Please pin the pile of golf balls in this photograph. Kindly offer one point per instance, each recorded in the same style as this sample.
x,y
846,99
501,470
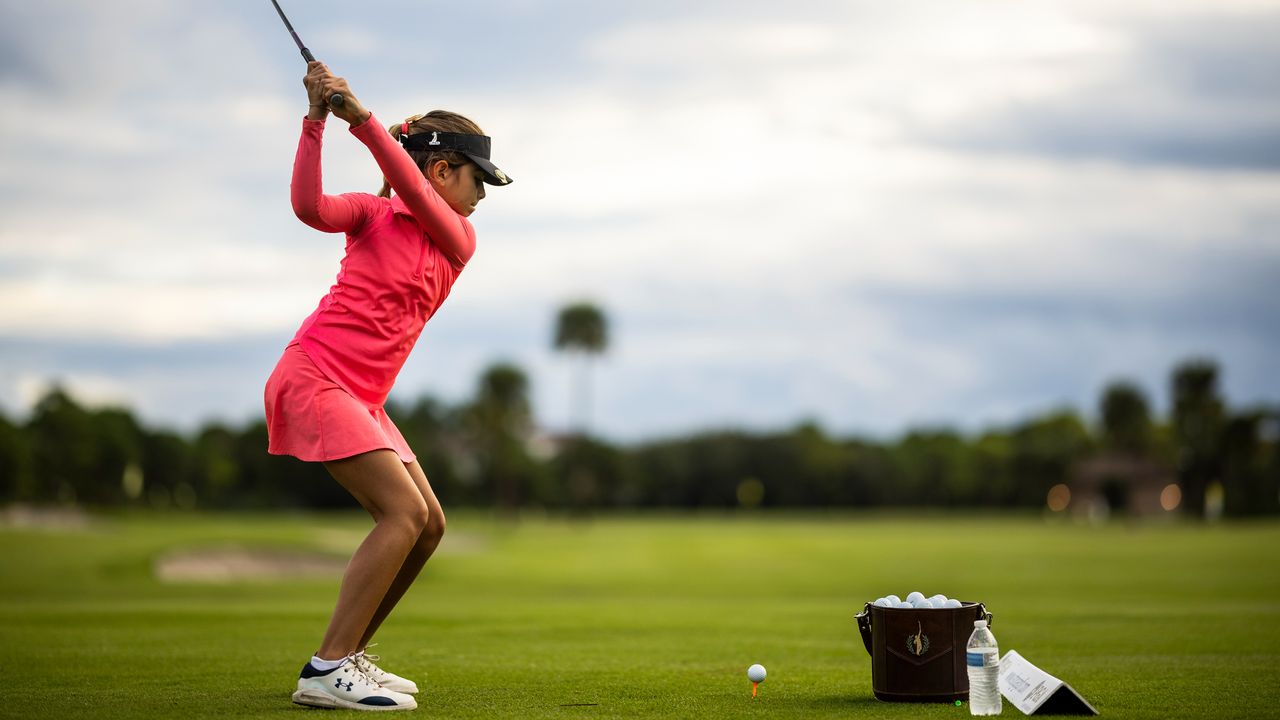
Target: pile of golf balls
x,y
918,601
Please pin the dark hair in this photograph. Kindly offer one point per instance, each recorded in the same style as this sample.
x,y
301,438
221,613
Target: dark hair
x,y
438,121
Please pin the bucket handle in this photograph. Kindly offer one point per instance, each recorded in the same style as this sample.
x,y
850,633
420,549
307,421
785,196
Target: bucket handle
x,y
864,622
864,625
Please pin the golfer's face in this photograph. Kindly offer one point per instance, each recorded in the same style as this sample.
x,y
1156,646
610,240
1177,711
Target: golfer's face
x,y
462,187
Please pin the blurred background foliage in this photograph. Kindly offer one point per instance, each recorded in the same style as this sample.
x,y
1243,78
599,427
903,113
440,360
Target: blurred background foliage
x,y
1204,460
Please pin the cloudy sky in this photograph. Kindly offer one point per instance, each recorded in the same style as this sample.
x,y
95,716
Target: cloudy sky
x,y
875,215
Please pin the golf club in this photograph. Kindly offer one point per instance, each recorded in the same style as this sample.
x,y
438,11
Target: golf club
x,y
335,99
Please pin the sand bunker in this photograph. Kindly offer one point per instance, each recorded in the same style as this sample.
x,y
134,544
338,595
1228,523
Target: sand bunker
x,y
31,517
236,564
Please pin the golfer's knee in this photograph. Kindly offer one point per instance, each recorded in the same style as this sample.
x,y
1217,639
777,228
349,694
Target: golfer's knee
x,y
435,529
413,517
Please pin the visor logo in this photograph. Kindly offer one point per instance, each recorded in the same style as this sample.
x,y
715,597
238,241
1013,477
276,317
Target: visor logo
x,y
435,138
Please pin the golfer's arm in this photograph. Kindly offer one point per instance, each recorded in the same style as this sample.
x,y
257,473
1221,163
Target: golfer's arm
x,y
450,232
326,213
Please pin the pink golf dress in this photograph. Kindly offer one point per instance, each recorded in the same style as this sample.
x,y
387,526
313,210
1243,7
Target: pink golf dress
x,y
324,400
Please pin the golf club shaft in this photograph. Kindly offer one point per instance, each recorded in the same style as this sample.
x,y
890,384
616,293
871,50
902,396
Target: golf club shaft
x,y
335,99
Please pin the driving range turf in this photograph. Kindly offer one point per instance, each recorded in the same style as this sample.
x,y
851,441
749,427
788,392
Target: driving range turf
x,y
641,616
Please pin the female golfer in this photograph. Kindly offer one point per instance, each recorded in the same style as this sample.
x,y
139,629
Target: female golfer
x,y
324,401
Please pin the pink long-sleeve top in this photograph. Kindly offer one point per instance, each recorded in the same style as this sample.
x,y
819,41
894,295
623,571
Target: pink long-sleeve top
x,y
402,257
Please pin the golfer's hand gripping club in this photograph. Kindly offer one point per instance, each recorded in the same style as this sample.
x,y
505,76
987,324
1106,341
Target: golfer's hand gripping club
x,y
335,99
322,85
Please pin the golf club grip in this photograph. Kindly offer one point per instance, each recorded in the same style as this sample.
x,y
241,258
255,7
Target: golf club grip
x,y
335,99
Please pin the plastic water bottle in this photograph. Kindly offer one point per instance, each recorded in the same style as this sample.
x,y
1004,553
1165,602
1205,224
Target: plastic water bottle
x,y
982,657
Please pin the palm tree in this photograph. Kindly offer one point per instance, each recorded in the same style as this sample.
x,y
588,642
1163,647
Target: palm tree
x,y
1126,418
500,419
1197,424
582,329
503,398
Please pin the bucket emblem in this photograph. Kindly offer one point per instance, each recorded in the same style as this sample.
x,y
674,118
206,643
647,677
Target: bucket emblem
x,y
918,644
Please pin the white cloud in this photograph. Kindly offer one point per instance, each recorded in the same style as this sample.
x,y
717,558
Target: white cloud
x,y
760,199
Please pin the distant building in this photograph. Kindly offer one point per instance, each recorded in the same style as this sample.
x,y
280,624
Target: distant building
x,y
1122,483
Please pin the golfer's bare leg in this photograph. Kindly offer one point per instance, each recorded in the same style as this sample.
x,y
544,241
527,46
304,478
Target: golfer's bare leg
x,y
427,543
382,484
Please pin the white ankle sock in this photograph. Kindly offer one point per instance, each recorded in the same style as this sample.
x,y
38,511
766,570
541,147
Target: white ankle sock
x,y
323,665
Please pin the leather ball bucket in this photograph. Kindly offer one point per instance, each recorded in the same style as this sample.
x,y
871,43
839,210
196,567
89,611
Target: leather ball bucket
x,y
919,655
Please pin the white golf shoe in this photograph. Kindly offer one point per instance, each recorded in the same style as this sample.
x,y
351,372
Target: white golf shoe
x,y
388,680
347,686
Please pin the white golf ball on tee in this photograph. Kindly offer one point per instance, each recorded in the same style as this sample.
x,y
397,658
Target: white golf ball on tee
x,y
756,673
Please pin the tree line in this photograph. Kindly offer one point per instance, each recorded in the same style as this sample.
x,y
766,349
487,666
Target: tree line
x,y
486,452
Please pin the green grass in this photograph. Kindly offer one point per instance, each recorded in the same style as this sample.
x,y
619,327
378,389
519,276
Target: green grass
x,y
648,616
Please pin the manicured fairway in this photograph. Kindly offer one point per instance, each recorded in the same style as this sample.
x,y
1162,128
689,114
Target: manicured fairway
x,y
650,616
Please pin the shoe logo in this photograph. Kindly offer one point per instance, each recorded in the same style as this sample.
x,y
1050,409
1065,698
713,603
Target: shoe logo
x,y
338,685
